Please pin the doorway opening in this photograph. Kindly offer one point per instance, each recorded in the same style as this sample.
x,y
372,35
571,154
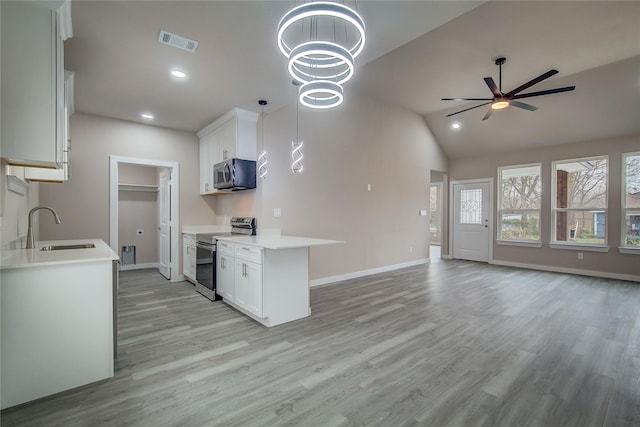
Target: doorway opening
x,y
436,215
143,207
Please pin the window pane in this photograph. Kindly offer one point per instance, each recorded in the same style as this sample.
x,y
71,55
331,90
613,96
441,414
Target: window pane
x,y
632,182
520,226
471,206
434,214
581,226
520,188
632,236
581,184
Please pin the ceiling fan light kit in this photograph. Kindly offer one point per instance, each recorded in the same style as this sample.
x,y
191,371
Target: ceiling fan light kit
x,y
503,100
317,59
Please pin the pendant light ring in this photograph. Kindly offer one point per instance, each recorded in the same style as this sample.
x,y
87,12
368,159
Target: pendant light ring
x,y
302,59
321,8
321,94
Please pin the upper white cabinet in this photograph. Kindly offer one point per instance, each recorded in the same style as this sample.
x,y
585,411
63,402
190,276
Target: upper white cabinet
x,y
33,81
232,135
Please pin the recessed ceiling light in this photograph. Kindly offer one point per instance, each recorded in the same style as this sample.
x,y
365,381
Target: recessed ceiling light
x,y
147,116
178,74
455,125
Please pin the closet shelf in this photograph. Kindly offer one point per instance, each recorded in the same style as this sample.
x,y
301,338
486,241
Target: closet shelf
x,y
138,187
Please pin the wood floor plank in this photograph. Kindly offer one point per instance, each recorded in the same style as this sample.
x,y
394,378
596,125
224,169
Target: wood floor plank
x,y
453,343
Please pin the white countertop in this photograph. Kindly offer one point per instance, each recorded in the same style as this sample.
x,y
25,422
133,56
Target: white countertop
x,y
26,258
195,229
279,242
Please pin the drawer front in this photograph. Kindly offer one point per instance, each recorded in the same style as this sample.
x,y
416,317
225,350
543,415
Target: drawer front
x,y
225,247
249,253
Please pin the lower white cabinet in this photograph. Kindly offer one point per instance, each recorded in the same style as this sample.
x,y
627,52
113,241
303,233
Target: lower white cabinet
x,y
269,285
225,273
189,256
248,286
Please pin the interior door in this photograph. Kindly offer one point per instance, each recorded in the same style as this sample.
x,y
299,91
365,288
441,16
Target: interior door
x,y
164,223
471,226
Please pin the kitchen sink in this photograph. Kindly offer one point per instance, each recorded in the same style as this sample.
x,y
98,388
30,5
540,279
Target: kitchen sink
x,y
63,247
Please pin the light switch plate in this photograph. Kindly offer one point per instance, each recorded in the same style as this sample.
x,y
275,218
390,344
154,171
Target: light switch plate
x,y
422,212
277,212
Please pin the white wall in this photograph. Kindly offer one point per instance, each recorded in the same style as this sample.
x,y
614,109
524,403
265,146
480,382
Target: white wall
x,y
83,201
362,142
14,209
613,261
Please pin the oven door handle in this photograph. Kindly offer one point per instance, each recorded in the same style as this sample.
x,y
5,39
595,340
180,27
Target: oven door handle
x,y
209,248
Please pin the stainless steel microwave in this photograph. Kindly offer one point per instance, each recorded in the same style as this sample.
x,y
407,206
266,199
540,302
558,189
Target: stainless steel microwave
x,y
234,175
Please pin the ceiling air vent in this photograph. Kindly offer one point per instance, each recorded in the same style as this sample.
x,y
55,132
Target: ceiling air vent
x,y
177,41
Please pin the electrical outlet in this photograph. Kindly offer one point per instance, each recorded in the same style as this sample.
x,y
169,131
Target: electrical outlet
x,y
277,212
410,249
580,255
368,187
139,232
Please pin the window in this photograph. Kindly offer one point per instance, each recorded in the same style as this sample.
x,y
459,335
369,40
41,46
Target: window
x,y
519,203
435,209
471,206
631,200
580,201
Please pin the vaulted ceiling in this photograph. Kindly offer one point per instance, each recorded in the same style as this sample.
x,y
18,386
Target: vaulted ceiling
x,y
417,53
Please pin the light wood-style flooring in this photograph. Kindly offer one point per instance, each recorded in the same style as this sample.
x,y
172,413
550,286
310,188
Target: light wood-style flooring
x,y
453,343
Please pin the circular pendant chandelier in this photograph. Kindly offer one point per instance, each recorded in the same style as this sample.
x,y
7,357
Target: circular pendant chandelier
x,y
321,40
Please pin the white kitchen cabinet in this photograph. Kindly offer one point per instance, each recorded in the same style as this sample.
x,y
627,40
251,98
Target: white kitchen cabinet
x,y
226,137
232,135
32,82
270,286
58,318
206,172
225,272
64,173
248,279
189,256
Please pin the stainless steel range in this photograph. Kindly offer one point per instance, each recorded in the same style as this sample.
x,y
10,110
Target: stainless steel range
x,y
206,254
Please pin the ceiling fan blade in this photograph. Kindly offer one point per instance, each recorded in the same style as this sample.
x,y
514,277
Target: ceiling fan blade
x,y
489,113
544,92
523,105
531,83
467,99
492,86
462,111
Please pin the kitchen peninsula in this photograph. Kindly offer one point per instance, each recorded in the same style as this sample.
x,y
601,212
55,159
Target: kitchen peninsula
x,y
58,318
267,276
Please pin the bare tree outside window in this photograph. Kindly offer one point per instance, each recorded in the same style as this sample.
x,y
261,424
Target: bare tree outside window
x,y
580,201
519,203
631,200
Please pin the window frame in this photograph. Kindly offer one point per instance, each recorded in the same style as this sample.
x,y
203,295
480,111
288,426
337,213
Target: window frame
x,y
624,248
499,210
560,244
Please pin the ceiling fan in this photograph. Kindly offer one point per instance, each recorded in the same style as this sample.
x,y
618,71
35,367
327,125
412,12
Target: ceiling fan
x,y
502,100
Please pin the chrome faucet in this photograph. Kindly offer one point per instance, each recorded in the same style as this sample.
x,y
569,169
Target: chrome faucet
x,y
30,239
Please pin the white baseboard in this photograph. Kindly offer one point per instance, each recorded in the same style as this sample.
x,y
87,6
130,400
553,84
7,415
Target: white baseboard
x,y
445,256
592,273
138,266
369,272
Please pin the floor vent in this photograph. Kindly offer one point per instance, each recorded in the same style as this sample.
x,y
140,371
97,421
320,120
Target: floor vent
x,y
177,41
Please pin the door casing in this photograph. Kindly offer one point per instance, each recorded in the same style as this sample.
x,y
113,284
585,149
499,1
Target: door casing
x,y
175,203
